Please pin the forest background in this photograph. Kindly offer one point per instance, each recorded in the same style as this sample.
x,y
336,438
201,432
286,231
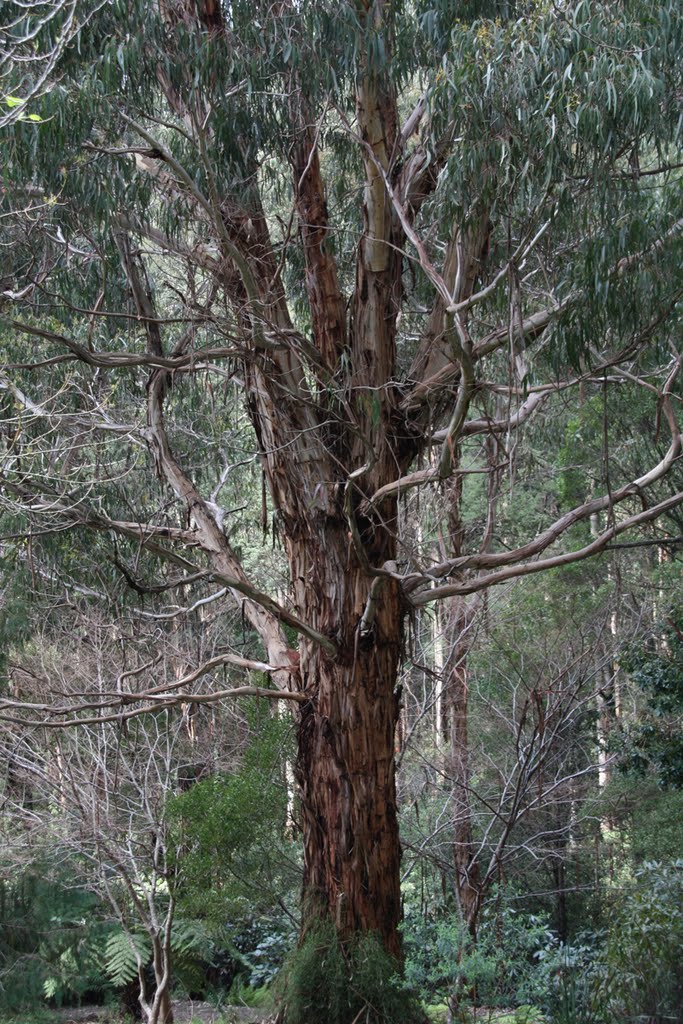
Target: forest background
x,y
341,509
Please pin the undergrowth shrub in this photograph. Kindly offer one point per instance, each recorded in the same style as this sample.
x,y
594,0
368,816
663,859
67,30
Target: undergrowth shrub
x,y
575,975
51,940
632,971
644,949
327,980
500,970
191,949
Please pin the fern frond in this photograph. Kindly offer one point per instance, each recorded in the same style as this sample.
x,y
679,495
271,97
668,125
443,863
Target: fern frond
x,y
120,961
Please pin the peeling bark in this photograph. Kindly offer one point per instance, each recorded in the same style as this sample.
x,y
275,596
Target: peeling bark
x,y
345,765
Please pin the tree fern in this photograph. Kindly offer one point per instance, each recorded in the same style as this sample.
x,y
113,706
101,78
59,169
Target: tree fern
x,y
120,961
191,949
190,946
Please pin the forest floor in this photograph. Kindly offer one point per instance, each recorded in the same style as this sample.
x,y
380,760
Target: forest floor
x,y
196,1012
188,1011
184,1012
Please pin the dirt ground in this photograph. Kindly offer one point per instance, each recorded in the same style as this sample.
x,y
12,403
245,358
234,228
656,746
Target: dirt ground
x,y
184,1012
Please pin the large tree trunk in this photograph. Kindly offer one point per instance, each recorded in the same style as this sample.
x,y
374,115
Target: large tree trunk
x,y
346,776
345,763
338,550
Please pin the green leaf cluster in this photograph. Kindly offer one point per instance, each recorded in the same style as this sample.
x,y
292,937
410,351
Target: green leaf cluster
x,y
644,968
500,969
654,744
228,832
52,938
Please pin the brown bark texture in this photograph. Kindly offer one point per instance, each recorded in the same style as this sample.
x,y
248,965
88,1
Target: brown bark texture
x,y
345,771
320,463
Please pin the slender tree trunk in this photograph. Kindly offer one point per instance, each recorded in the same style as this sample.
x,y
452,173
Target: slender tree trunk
x,y
160,1006
456,727
162,1011
165,1015
457,718
559,872
439,663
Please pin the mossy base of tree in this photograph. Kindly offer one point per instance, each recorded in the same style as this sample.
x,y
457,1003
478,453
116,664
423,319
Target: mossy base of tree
x,y
327,980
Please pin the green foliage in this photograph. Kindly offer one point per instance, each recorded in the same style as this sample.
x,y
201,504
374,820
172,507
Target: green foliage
x,y
632,970
35,1015
573,976
52,938
264,943
228,831
443,962
258,997
656,826
549,100
654,744
643,963
191,950
437,1013
339,982
583,434
235,860
14,102
120,958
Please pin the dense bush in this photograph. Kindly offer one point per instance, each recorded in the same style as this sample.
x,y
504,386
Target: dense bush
x,y
635,969
644,948
653,745
501,969
52,938
265,944
573,976
228,833
237,863
328,981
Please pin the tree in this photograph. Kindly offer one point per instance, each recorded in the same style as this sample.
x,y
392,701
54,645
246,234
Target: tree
x,y
532,760
106,800
466,214
98,802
